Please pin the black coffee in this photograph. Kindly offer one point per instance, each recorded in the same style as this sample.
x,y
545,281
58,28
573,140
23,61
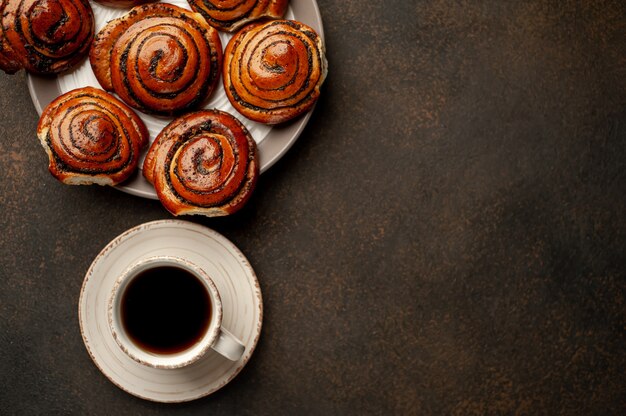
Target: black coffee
x,y
165,310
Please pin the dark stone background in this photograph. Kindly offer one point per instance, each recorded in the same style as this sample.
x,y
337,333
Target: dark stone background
x,y
447,236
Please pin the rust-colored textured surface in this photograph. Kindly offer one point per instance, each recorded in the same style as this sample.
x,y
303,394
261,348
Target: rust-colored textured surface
x,y
447,236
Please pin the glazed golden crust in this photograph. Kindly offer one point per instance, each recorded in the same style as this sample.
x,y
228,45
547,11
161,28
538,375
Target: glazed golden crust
x,y
230,15
44,36
9,62
91,137
203,163
159,58
273,71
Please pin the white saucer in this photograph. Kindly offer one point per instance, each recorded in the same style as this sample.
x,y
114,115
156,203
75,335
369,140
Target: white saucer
x,y
234,278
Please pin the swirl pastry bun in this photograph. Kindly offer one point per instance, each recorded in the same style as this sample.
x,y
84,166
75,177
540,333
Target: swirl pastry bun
x,y
91,137
203,163
273,71
158,58
230,15
44,36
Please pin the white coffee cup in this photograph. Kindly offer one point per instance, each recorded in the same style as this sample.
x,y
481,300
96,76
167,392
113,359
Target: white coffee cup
x,y
215,337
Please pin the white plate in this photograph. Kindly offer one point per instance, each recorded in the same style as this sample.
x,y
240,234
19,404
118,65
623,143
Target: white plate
x,y
234,278
272,142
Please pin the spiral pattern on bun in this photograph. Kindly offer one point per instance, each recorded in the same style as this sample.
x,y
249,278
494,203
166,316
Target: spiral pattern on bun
x,y
273,71
91,137
203,163
230,15
44,36
159,58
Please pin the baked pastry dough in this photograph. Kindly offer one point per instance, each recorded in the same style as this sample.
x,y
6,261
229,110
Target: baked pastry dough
x,y
159,58
273,71
230,15
203,163
44,36
91,137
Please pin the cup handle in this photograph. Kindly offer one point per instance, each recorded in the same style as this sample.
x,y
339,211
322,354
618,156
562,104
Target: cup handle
x,y
228,345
